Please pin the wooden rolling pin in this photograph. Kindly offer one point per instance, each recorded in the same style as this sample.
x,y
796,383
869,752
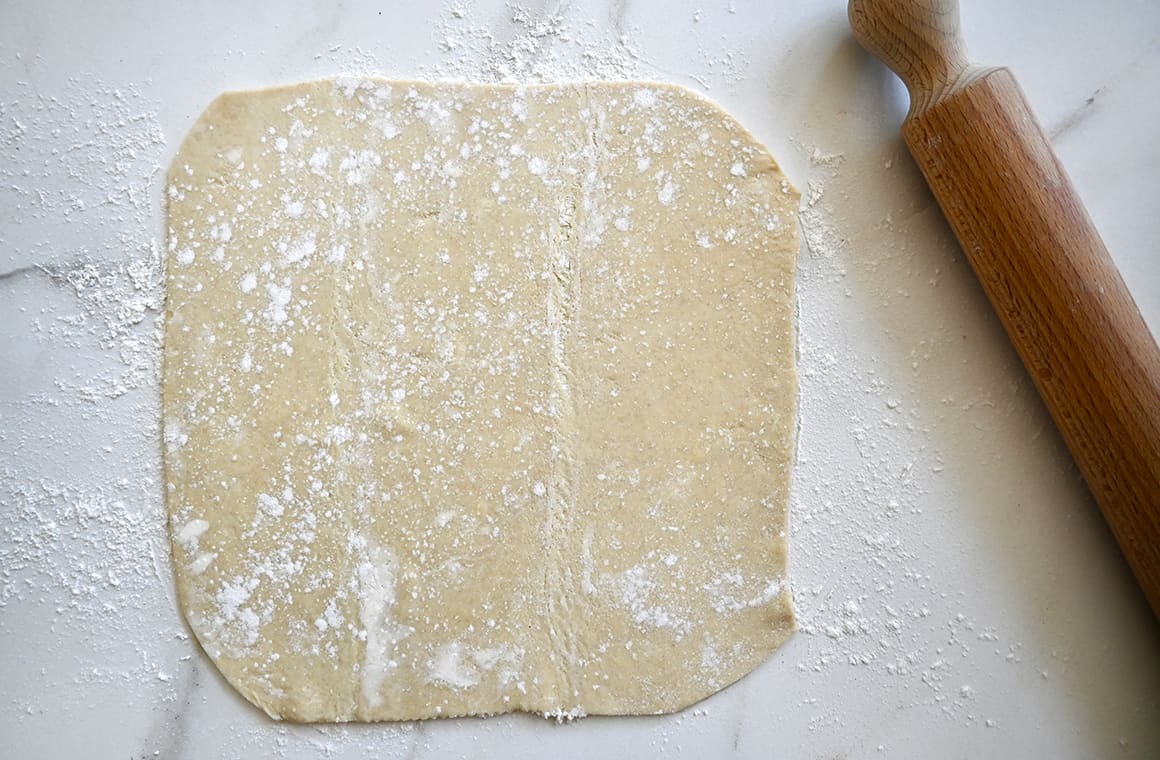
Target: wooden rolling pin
x,y
1040,259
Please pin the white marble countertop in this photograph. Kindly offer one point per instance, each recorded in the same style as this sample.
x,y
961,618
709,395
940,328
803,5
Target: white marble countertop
x,y
957,592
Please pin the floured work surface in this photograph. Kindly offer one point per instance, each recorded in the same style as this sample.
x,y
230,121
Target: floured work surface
x,y
479,398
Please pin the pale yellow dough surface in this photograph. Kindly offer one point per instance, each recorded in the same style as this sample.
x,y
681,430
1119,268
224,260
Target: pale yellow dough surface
x,y
479,398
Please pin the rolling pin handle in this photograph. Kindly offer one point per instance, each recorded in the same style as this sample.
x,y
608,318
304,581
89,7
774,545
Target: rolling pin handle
x,y
920,40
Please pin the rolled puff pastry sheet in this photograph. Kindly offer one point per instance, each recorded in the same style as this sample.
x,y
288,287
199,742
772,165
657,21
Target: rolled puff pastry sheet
x,y
479,398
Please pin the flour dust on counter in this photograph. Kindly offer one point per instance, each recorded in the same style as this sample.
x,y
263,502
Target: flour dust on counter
x,y
83,569
551,44
479,399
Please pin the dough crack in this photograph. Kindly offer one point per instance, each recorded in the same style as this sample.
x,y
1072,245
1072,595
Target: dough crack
x,y
562,300
579,223
341,358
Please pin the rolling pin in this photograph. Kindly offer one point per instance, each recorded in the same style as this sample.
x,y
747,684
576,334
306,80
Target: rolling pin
x,y
1038,255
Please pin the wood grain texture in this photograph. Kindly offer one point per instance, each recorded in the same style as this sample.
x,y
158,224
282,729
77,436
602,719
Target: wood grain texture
x,y
920,41
1040,260
1059,295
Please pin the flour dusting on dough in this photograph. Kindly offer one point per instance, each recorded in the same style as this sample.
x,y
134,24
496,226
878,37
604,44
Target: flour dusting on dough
x,y
376,576
479,399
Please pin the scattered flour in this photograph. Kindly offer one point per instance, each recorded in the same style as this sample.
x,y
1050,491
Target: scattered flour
x,y
82,170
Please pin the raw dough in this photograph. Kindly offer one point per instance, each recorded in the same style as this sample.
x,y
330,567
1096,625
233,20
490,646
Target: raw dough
x,y
479,398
